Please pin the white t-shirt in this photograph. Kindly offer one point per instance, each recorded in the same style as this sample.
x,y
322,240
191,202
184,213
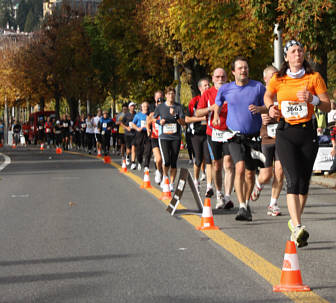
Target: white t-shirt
x,y
95,124
332,116
89,126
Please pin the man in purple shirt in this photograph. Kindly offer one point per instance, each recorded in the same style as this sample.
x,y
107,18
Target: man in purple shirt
x,y
244,98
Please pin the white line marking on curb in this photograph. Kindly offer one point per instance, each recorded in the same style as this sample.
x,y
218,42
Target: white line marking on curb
x,y
7,161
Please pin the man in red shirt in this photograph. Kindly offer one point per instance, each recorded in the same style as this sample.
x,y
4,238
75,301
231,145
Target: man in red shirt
x,y
218,148
199,141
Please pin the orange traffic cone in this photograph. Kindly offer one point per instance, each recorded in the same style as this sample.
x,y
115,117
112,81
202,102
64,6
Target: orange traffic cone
x,y
58,150
146,181
123,166
14,145
182,145
291,275
42,147
1,145
166,193
207,221
107,159
99,153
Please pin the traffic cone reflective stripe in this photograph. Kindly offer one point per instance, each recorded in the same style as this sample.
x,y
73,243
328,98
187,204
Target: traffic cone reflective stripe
x,y
291,275
123,166
166,193
146,181
14,145
107,159
207,221
99,153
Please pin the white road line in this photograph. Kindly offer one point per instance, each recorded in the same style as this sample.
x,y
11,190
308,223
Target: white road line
x,y
6,162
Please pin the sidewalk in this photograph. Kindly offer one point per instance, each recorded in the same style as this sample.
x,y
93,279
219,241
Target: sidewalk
x,y
327,181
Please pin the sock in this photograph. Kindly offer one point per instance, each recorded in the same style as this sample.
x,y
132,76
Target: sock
x,y
218,194
242,205
273,202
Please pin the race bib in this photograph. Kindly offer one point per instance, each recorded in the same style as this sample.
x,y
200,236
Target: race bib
x,y
65,124
48,130
104,125
221,135
217,135
40,127
143,123
271,130
115,129
294,110
170,128
83,125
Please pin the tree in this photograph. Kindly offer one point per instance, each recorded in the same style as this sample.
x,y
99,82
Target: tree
x,y
312,22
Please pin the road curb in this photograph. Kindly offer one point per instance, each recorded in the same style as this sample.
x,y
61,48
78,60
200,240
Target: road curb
x,y
324,181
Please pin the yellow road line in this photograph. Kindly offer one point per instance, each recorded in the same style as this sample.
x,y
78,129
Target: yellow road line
x,y
264,268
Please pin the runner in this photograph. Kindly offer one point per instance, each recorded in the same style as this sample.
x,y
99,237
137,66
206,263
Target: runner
x,y
40,131
171,116
121,134
90,135
65,124
153,132
25,130
198,126
267,133
48,129
129,134
244,98
16,132
115,131
105,126
58,134
82,132
218,149
143,143
97,135
298,89
2,132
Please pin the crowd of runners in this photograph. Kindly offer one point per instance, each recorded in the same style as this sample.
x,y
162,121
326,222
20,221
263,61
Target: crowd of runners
x,y
233,130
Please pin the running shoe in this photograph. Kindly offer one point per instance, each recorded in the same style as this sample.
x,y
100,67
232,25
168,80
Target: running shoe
x,y
228,204
158,177
300,236
243,215
273,211
220,201
209,192
203,176
256,192
133,166
249,212
139,166
127,161
190,162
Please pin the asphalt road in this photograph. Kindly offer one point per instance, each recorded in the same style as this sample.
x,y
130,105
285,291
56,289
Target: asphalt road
x,y
74,229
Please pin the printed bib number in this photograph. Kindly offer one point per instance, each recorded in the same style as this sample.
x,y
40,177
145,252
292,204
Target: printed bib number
x,y
143,123
293,110
103,132
65,124
104,125
221,136
83,125
170,128
48,130
271,130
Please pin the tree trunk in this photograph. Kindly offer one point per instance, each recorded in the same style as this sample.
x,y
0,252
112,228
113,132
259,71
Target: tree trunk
x,y
323,66
73,105
57,105
42,103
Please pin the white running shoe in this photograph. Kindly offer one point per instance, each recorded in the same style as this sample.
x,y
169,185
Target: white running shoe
x,y
203,176
133,166
127,161
273,211
158,177
220,201
139,166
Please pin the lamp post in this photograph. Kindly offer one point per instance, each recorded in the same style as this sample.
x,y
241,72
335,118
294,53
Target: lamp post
x,y
278,51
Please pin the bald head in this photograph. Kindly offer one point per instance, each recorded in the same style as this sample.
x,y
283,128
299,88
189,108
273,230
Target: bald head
x,y
268,73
